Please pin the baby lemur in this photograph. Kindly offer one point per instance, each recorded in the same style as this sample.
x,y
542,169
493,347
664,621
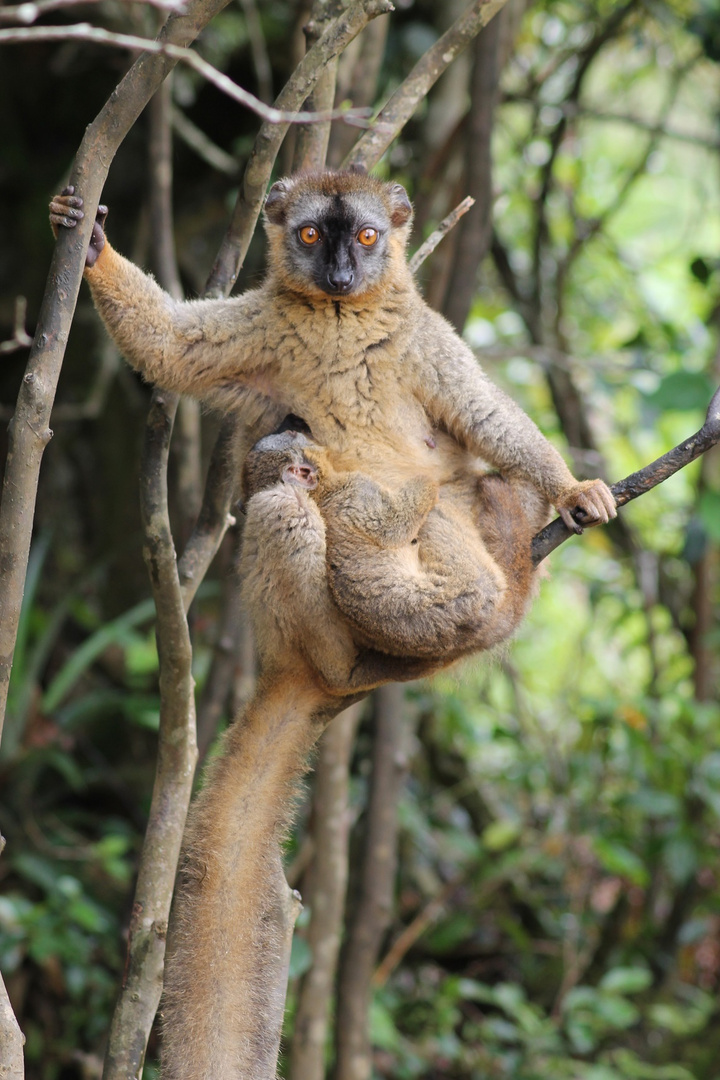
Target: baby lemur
x,y
339,334
436,599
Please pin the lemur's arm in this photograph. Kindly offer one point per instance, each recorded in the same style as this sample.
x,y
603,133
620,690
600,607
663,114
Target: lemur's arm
x,y
210,349
458,394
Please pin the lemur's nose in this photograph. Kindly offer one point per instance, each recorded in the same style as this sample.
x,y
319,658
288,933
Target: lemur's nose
x,y
340,280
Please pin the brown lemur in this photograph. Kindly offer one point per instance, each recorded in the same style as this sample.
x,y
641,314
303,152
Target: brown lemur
x,y
339,334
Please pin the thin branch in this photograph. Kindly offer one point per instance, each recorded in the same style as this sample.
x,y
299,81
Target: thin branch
x,y
311,142
270,115
339,33
603,34
258,48
429,245
20,338
642,481
177,754
29,430
214,518
204,147
403,103
33,10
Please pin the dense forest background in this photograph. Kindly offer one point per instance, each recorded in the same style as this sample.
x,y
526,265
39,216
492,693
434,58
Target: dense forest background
x,y
534,839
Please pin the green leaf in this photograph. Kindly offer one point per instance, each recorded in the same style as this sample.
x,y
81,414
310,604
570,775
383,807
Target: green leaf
x,y
617,859
113,632
300,957
709,512
626,980
683,390
501,834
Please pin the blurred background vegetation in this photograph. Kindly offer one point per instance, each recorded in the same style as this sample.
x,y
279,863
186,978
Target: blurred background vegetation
x,y
557,896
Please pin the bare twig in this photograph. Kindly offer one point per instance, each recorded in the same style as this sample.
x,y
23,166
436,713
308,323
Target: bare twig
x,y
20,338
364,59
86,32
261,60
473,240
205,148
29,431
638,483
214,518
429,245
31,11
398,110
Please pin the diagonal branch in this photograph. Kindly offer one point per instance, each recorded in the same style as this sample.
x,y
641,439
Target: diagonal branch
x,y
642,481
29,429
403,103
86,32
338,34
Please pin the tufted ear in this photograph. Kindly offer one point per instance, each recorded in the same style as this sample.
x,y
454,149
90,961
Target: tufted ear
x,y
401,210
276,200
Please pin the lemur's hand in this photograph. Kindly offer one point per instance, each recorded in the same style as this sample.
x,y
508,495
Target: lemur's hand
x,y
66,210
588,503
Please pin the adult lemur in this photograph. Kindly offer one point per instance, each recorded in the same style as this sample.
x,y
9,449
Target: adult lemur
x,y
338,334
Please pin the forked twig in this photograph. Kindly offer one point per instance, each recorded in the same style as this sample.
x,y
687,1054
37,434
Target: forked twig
x,y
643,480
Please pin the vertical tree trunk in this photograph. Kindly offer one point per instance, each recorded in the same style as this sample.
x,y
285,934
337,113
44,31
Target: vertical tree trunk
x,y
371,916
324,894
473,239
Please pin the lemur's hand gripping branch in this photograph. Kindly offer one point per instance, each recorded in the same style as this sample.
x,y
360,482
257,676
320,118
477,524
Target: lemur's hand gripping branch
x,y
643,480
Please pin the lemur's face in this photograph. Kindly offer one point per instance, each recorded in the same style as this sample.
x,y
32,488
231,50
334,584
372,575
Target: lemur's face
x,y
338,240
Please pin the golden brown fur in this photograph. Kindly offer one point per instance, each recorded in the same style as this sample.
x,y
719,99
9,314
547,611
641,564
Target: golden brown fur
x,y
409,423
404,578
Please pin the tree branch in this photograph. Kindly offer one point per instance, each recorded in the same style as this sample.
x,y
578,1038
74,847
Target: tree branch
x,y
339,33
403,103
33,10
371,915
428,246
86,32
143,979
324,893
29,430
642,481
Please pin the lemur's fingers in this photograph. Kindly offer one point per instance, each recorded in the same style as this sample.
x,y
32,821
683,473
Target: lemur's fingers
x,y
590,503
66,209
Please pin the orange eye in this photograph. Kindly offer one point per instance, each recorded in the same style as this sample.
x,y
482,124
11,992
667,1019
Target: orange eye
x,y
309,235
367,236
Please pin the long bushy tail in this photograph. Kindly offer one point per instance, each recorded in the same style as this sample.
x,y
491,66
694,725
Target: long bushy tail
x,y
223,1002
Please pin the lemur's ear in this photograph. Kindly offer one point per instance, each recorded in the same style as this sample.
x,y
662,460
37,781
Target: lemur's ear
x,y
401,207
276,200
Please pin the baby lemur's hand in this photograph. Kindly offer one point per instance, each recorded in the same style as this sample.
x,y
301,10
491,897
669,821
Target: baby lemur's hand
x,y
588,503
66,210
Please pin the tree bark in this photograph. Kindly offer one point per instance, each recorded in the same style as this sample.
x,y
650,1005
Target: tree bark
x,y
324,893
371,917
